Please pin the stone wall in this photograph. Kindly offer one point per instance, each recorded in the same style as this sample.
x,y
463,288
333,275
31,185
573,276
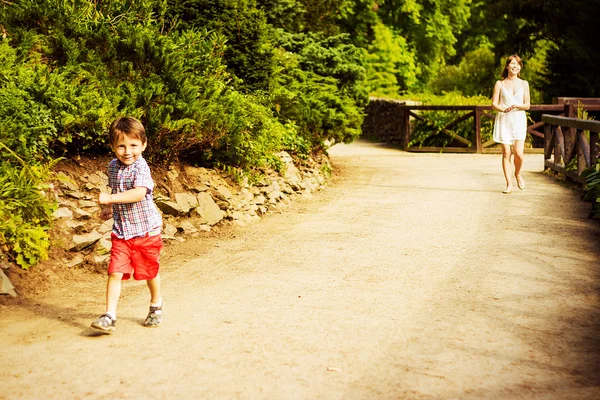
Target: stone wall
x,y
195,199
384,121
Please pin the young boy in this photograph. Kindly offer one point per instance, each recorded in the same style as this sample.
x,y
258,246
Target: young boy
x,y
136,238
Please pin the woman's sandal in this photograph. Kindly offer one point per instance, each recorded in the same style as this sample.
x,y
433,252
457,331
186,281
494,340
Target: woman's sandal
x,y
507,190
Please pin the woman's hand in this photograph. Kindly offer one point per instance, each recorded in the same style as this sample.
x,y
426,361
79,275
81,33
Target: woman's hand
x,y
509,109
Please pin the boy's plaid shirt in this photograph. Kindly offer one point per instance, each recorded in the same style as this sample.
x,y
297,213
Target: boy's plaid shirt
x,y
133,219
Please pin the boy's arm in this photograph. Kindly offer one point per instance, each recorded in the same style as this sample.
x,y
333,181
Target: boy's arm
x,y
130,196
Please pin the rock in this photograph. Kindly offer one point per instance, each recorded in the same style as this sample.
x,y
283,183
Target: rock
x,y
170,230
169,207
97,179
223,205
260,199
78,213
77,195
87,203
246,195
200,188
222,193
104,246
6,286
101,258
62,212
66,182
208,210
204,228
80,242
173,175
173,238
186,201
309,185
106,226
74,224
187,227
75,261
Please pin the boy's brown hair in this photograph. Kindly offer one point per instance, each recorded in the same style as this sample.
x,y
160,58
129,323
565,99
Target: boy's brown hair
x,y
126,126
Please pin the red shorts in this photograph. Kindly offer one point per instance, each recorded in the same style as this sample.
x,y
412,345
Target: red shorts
x,y
139,255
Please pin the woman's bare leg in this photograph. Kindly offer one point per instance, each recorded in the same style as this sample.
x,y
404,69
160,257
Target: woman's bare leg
x,y
518,152
507,165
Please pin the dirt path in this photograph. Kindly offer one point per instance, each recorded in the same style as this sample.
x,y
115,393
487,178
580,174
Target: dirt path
x,y
410,277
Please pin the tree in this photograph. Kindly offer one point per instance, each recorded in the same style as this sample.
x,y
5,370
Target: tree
x,y
430,28
572,30
390,65
249,53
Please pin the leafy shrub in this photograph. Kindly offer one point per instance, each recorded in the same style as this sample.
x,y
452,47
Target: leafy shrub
x,y
474,75
26,208
319,85
249,54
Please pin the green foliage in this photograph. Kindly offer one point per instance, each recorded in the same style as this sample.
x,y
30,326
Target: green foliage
x,y
249,53
473,76
390,65
592,188
26,208
430,28
319,86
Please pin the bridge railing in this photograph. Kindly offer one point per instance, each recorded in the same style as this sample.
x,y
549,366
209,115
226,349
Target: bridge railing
x,y
392,121
570,145
477,114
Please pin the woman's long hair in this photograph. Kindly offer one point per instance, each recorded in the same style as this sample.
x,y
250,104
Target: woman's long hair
x,y
508,60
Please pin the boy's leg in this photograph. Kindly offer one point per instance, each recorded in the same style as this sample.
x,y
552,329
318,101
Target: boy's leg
x,y
154,317
106,322
113,292
154,286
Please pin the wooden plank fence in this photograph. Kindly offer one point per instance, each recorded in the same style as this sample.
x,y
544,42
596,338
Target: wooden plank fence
x,y
570,145
392,120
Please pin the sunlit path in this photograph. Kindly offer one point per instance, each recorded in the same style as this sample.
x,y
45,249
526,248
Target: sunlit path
x,y
410,277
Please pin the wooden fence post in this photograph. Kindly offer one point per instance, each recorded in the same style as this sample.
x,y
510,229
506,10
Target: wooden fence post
x,y
569,134
406,127
477,125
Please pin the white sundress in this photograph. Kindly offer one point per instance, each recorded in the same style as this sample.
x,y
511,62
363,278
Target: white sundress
x,y
512,125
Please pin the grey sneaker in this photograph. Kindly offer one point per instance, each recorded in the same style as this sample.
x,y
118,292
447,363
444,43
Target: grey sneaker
x,y
105,324
154,316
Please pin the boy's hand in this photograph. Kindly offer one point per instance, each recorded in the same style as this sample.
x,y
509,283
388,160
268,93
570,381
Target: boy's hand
x,y
106,213
104,198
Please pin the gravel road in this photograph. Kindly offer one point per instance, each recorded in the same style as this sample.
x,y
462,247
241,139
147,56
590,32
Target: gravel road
x,y
411,276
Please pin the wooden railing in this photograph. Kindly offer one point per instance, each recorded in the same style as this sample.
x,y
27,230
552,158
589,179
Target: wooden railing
x,y
477,113
573,142
566,107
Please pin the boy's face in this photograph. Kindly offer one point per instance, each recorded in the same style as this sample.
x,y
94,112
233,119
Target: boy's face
x,y
128,149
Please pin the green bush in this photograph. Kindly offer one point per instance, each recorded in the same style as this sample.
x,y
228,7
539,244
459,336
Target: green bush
x,y
319,85
26,207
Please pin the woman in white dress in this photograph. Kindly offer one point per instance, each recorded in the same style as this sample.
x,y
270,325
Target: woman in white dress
x,y
511,99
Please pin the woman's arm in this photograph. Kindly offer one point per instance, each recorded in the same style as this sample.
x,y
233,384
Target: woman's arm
x,y
496,99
